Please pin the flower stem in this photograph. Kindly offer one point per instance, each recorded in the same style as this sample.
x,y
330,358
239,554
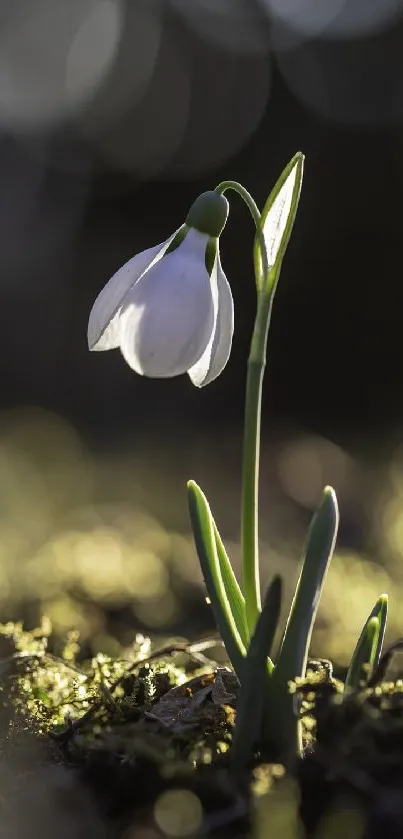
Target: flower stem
x,y
259,250
253,405
251,457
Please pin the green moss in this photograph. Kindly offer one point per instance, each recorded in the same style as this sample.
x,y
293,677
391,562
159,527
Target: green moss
x,y
133,726
155,703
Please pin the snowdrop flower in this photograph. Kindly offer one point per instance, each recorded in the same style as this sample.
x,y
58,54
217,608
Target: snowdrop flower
x,y
170,309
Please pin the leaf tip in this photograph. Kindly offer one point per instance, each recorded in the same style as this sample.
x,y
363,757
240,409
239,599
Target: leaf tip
x,y
299,158
329,499
297,166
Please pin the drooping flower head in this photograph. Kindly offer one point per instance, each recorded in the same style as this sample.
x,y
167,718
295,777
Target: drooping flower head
x,y
170,309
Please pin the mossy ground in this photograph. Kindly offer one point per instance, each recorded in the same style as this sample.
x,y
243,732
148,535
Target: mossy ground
x,y
148,737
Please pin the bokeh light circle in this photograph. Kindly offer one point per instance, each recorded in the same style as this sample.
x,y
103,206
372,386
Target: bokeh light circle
x,y
235,25
345,82
52,62
335,19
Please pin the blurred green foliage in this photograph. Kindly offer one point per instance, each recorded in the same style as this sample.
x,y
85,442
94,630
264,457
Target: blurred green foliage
x,y
84,535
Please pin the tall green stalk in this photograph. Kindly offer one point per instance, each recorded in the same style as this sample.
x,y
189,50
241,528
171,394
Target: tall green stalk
x,y
253,404
272,235
251,460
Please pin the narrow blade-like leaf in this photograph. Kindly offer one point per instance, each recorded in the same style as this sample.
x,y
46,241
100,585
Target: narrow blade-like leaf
x,y
235,597
254,679
381,612
364,652
281,723
203,530
317,555
360,666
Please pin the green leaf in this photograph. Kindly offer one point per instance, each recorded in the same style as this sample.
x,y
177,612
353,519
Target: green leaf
x,y
235,597
205,538
380,611
254,678
317,555
360,666
278,217
369,645
281,724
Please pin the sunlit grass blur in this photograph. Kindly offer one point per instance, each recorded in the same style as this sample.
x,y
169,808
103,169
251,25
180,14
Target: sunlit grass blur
x,y
101,542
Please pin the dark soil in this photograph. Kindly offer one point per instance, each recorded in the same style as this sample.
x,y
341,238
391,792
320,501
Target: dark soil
x,y
141,748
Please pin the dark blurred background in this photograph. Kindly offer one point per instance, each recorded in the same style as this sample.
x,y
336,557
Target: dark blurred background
x,y
114,115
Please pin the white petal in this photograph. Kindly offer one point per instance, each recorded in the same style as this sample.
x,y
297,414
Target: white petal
x,y
103,324
217,353
168,316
